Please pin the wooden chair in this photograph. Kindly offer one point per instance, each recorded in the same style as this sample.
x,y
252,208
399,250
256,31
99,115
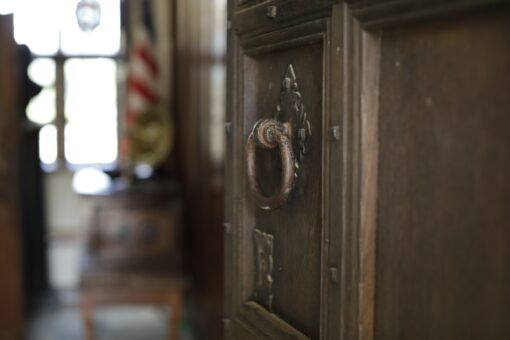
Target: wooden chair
x,y
133,256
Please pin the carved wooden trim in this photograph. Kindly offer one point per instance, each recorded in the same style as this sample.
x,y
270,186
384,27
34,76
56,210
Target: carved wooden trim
x,y
384,13
276,15
368,184
299,35
233,180
244,4
333,73
263,267
266,325
240,262
340,293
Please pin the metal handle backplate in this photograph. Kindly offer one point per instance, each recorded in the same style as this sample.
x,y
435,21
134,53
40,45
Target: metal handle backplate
x,y
288,131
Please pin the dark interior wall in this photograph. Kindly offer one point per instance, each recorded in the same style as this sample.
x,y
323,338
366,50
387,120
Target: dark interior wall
x,y
34,240
10,254
199,96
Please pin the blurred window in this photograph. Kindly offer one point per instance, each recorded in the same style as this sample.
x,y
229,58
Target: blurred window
x,y
90,111
78,71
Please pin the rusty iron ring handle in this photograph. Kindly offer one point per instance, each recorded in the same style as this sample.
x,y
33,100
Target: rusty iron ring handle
x,y
269,134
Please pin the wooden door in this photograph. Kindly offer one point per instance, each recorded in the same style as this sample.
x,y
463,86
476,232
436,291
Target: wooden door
x,y
285,169
436,91
368,154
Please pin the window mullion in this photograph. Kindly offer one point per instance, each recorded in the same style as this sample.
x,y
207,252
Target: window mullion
x,y
60,119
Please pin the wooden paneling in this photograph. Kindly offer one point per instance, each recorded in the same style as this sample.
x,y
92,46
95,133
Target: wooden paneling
x,y
10,263
443,217
299,221
270,16
309,279
200,29
385,13
412,187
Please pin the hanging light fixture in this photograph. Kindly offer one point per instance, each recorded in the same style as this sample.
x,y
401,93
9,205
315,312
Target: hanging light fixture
x,y
88,14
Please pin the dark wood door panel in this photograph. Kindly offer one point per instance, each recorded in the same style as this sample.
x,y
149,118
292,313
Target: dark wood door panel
x,y
253,17
398,228
296,226
277,258
444,188
255,323
298,247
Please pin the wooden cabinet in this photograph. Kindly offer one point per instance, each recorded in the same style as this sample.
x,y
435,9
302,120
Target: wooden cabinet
x,y
128,231
135,229
367,183
134,254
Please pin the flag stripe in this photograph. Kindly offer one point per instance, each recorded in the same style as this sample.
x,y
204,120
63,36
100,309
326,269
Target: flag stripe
x,y
139,70
141,88
142,82
148,58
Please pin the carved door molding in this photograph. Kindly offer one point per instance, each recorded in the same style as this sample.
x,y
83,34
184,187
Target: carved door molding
x,y
284,60
325,245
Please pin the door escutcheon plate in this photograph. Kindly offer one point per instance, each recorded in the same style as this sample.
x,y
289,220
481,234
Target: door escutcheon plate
x,y
264,267
290,131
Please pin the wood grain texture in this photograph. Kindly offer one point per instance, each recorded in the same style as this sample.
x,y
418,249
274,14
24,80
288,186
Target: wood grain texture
x,y
267,325
409,189
255,20
258,72
442,226
369,166
384,13
316,233
296,226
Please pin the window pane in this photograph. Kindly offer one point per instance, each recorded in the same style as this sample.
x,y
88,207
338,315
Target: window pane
x,y
48,144
217,109
42,71
91,143
6,6
42,108
36,24
104,40
91,110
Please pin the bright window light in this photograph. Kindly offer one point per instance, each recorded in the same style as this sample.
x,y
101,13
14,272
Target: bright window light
x,y
42,24
90,180
48,144
37,24
103,40
91,111
50,29
7,6
42,71
42,108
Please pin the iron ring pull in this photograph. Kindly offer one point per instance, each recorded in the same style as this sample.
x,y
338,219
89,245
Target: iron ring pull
x,y
269,134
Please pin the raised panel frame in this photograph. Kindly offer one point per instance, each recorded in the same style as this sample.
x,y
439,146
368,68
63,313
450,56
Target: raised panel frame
x,y
339,296
375,16
352,36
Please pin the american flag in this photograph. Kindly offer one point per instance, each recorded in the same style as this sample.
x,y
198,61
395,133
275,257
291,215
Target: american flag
x,y
143,97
